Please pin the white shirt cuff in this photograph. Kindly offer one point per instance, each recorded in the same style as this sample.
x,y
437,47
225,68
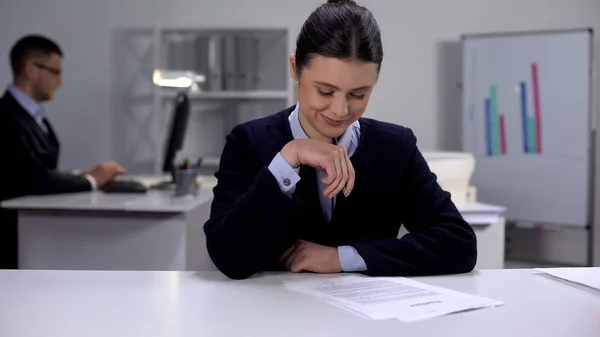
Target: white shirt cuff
x,y
350,259
92,181
287,177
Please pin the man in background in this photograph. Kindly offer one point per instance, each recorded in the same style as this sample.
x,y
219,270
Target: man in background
x,y
29,147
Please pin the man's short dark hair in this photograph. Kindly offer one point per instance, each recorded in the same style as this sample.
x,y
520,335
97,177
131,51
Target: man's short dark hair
x,y
29,46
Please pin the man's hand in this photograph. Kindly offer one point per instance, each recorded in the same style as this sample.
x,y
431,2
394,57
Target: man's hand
x,y
105,172
308,256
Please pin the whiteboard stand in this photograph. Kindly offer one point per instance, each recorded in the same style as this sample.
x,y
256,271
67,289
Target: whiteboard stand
x,y
594,245
594,242
532,156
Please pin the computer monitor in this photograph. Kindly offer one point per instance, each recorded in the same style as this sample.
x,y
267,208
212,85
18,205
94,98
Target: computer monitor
x,y
176,135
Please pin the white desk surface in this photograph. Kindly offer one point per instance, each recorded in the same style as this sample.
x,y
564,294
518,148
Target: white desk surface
x,y
152,202
112,303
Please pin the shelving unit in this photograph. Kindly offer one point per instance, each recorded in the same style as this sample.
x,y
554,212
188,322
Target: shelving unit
x,y
247,78
231,95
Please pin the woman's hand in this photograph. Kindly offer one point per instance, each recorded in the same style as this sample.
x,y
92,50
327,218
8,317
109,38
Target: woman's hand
x,y
308,256
330,159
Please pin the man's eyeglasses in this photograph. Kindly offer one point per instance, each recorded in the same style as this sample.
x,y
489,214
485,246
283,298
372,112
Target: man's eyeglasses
x,y
55,71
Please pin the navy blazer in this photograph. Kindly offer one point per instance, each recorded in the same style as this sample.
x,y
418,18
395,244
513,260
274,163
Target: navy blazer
x,y
253,222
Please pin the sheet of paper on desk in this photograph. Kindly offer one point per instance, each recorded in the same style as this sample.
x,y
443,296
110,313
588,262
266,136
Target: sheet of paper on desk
x,y
588,277
386,297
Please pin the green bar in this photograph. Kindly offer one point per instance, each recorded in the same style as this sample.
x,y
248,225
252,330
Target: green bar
x,y
531,134
494,119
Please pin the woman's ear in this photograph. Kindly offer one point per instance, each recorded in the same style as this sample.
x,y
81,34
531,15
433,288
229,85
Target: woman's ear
x,y
293,69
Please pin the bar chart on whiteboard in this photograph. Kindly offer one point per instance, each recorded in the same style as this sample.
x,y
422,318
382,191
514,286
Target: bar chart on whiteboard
x,y
526,118
531,123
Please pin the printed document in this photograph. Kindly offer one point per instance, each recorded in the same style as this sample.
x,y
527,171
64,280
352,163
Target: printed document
x,y
587,277
389,297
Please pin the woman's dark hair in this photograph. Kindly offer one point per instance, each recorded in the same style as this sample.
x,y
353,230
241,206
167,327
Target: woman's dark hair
x,y
339,29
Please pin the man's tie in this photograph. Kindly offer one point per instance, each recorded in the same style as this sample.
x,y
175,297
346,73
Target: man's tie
x,y
42,123
40,118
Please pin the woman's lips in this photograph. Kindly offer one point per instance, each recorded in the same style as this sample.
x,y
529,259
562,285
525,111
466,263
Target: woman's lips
x,y
332,122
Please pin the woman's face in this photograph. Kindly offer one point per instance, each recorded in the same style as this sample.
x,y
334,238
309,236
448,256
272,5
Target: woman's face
x,y
333,94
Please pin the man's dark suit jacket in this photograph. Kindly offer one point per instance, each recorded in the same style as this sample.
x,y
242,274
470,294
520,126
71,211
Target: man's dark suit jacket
x,y
29,159
30,156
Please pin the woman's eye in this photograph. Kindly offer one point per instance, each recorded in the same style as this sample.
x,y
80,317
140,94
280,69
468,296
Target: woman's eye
x,y
322,93
358,96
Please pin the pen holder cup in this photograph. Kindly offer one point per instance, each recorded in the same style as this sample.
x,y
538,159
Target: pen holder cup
x,y
185,182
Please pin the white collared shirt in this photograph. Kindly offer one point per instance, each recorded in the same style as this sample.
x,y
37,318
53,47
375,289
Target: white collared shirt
x,y
33,108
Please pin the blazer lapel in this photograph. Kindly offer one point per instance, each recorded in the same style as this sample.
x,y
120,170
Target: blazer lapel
x,y
45,143
51,134
45,140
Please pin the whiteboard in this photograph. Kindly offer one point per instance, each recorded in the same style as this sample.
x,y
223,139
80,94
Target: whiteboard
x,y
527,120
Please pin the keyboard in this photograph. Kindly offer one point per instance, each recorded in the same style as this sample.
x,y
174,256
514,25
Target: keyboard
x,y
124,186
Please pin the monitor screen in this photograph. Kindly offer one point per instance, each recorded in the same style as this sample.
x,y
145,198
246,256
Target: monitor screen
x,y
176,135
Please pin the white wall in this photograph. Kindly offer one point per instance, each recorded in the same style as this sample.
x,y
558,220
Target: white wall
x,y
417,86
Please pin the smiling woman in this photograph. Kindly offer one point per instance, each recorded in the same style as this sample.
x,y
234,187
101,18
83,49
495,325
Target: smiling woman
x,y
319,188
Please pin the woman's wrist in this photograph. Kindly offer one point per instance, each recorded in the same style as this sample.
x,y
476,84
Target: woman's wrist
x,y
290,154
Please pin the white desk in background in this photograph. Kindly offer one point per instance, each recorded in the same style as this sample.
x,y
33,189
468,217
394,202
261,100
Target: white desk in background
x,y
156,231
149,304
95,230
489,225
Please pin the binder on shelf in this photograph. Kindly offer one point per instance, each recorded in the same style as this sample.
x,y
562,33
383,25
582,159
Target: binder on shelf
x,y
181,53
201,59
253,62
215,68
246,62
229,64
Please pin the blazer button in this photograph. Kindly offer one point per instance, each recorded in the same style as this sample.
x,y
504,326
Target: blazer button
x,y
286,182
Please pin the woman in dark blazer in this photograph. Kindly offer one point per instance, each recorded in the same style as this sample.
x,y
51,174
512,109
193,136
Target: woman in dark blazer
x,y
318,188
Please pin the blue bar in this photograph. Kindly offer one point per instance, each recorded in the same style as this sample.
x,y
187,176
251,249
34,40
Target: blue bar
x,y
488,126
524,116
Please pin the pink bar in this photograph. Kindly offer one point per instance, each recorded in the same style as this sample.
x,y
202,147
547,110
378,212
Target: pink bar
x,y
502,133
536,106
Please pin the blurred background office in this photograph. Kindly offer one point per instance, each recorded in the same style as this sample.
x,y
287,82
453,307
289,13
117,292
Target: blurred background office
x,y
417,85
109,109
